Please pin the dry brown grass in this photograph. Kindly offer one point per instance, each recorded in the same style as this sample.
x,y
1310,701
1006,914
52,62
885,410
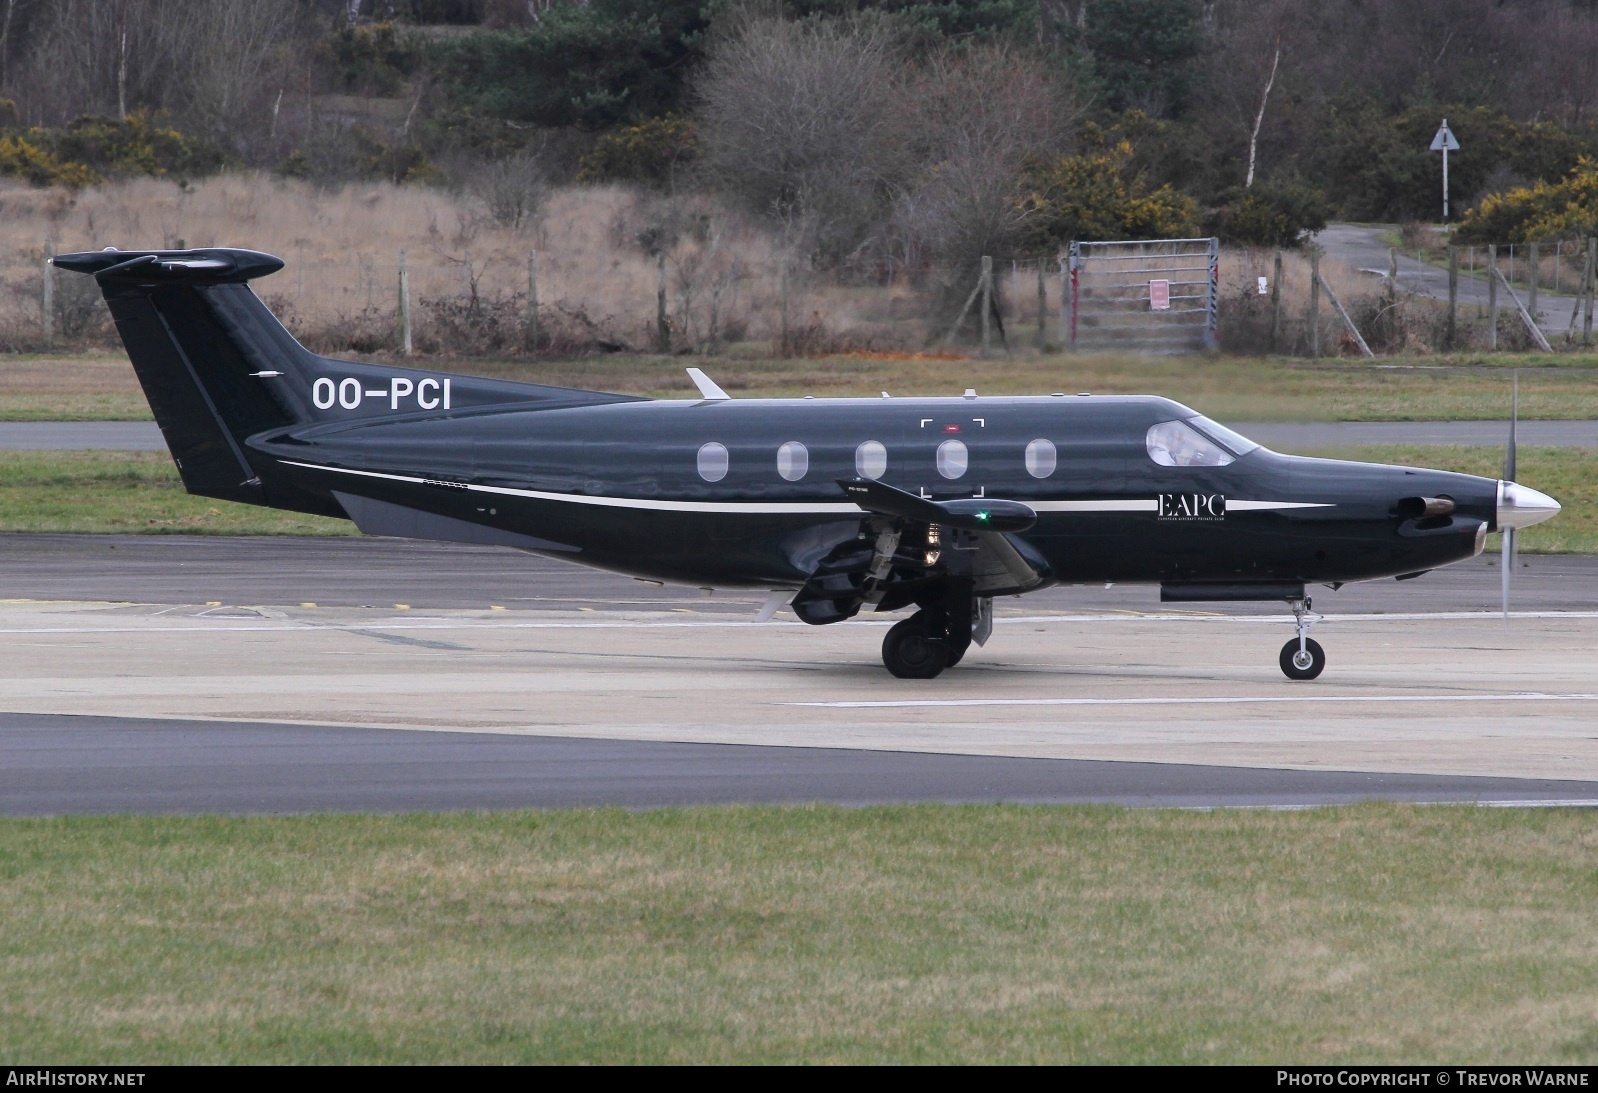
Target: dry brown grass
x,y
596,279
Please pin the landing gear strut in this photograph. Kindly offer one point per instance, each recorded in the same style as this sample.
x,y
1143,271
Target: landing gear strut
x,y
1303,657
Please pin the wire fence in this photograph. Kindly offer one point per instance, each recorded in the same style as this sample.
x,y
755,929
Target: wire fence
x,y
502,301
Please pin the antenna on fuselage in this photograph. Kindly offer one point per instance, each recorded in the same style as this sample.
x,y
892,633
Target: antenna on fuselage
x,y
707,386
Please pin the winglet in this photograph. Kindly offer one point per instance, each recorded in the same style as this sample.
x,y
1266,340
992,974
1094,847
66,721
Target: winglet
x,y
707,386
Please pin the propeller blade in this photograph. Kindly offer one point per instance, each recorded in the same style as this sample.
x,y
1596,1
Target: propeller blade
x,y
1514,418
1506,566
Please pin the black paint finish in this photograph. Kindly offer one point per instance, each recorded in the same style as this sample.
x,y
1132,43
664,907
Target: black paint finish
x,y
629,485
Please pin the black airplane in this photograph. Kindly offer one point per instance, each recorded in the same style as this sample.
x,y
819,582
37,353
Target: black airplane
x,y
829,505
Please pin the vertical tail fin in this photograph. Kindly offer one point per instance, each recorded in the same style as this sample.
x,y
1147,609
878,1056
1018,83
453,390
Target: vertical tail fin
x,y
218,369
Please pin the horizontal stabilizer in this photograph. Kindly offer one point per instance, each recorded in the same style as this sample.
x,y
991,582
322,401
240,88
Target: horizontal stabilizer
x,y
211,266
967,513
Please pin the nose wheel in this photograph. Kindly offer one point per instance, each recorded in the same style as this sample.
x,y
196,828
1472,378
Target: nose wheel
x,y
1303,657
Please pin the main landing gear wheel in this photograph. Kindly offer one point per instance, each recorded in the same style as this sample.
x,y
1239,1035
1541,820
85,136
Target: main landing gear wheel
x,y
1305,663
909,652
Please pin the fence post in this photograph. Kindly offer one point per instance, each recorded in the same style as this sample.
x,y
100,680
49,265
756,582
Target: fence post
x,y
1492,297
1535,260
532,300
1592,277
1042,340
1453,297
662,331
987,300
404,305
782,291
1067,334
1212,298
1348,324
1315,307
47,297
1276,302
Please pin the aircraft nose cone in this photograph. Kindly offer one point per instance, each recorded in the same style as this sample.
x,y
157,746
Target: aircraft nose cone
x,y
1521,506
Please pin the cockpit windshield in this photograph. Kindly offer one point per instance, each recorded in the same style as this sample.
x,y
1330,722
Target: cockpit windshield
x,y
1178,444
1236,443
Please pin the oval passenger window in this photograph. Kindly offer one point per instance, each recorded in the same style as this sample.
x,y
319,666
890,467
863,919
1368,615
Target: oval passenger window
x,y
952,458
793,460
871,460
1040,458
713,462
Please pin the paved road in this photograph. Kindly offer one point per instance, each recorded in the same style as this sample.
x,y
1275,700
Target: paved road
x,y
358,572
54,764
1287,436
1364,249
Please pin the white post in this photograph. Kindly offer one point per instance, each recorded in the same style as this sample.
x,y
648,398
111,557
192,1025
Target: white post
x,y
1445,179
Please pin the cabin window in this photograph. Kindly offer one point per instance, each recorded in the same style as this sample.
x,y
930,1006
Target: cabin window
x,y
1178,444
793,460
871,460
952,459
1040,458
713,461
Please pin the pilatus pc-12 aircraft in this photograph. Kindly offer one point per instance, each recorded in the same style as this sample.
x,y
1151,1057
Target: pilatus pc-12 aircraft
x,y
833,506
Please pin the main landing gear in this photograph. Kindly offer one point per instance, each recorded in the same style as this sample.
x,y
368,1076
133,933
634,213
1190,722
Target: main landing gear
x,y
934,638
1303,657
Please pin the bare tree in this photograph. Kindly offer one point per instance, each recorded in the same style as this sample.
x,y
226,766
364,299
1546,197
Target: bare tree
x,y
213,66
977,118
797,121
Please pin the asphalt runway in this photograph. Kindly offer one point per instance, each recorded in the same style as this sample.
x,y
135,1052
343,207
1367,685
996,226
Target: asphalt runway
x,y
1287,436
55,764
185,674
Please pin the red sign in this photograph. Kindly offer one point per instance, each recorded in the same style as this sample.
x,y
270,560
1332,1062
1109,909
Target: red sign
x,y
1159,295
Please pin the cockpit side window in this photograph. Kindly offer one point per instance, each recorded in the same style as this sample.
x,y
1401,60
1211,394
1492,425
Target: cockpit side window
x,y
1178,444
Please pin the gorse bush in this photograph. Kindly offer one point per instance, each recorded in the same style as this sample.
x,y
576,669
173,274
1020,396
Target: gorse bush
x,y
1095,196
91,149
650,152
1541,211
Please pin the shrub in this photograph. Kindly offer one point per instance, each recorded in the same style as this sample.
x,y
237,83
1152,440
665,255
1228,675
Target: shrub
x,y
1270,216
1542,211
648,152
1094,196
22,158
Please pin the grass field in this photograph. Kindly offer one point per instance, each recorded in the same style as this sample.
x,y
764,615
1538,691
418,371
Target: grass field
x,y
140,492
913,934
129,492
103,387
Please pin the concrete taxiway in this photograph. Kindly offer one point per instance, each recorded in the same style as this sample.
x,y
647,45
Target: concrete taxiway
x,y
211,687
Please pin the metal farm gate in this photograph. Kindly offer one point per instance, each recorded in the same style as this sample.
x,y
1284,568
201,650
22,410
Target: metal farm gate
x,y
1152,295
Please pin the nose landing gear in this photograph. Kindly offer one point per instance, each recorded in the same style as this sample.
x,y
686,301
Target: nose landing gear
x,y
1303,657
